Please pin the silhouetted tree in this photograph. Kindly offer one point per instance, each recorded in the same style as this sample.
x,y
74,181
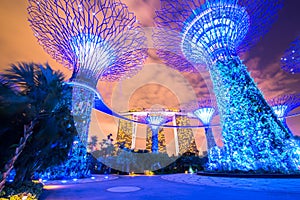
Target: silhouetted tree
x,y
46,107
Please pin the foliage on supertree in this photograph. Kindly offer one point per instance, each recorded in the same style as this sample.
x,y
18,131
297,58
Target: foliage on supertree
x,y
161,140
283,104
207,109
253,137
214,32
290,61
74,167
186,139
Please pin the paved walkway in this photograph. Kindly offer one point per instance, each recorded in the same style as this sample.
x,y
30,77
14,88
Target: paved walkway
x,y
257,184
176,187
94,178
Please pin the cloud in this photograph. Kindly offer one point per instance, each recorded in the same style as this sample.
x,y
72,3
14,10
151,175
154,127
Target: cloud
x,y
271,79
144,10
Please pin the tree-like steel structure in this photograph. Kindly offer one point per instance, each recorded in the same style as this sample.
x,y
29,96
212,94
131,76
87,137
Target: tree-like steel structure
x,y
154,120
290,61
283,104
214,32
205,112
98,40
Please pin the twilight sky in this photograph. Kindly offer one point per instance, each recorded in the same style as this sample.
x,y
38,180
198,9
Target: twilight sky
x,y
157,85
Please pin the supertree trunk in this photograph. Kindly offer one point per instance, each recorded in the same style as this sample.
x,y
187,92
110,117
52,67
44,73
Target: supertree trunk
x,y
82,104
283,121
154,147
210,140
253,136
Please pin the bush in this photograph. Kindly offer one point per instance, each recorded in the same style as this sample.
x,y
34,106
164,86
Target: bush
x,y
30,189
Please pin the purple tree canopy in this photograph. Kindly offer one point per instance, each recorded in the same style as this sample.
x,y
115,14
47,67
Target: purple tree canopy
x,y
283,104
290,62
98,39
205,31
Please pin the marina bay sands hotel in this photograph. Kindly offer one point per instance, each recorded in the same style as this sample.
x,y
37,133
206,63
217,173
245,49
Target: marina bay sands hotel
x,y
129,133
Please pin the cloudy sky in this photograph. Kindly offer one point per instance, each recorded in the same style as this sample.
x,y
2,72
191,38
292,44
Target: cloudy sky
x,y
157,85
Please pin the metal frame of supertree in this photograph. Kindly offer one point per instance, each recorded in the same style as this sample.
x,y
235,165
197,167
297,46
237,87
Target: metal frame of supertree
x,y
290,61
157,120
205,112
214,32
283,104
154,120
98,40
187,29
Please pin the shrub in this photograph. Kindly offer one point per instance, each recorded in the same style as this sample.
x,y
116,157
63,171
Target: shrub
x,y
31,190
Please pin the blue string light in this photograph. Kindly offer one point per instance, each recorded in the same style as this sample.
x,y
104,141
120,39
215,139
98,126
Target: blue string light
x,y
290,62
215,32
98,40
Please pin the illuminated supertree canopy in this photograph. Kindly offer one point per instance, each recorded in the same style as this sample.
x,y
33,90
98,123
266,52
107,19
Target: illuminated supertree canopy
x,y
98,40
206,111
215,32
290,62
211,31
283,104
155,119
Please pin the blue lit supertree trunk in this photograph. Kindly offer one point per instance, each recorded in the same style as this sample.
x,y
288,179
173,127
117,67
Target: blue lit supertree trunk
x,y
155,120
282,105
214,32
98,40
206,111
290,61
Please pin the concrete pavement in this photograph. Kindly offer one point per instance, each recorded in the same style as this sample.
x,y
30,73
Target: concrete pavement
x,y
176,187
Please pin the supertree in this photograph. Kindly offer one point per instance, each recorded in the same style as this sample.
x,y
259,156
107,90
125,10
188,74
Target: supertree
x,y
214,32
155,119
290,61
98,40
283,104
206,111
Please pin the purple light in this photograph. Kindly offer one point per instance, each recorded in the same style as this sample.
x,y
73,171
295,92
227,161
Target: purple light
x,y
208,31
283,104
290,62
97,39
205,115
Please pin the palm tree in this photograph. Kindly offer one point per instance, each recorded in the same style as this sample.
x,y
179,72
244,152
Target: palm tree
x,y
48,109
12,104
93,143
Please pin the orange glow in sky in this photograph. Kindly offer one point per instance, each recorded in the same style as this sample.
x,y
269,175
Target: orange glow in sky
x,y
155,84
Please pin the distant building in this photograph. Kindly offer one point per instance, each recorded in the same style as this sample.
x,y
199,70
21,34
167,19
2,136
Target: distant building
x,y
184,140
